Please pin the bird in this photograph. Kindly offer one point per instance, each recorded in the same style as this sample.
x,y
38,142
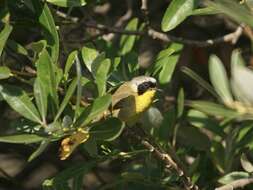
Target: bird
x,y
133,98
129,102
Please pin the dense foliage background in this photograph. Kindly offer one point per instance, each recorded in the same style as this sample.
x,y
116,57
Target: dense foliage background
x,y
62,59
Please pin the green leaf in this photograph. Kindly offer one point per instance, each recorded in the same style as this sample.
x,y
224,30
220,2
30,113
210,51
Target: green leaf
x,y
20,102
193,137
47,77
101,76
68,3
201,120
167,125
168,69
89,54
233,176
70,61
217,153
91,146
177,12
165,63
107,130
79,87
96,63
246,164
213,109
68,95
78,182
16,47
76,169
180,102
40,98
241,81
94,110
219,79
5,72
50,33
127,41
205,11
43,145
22,139
233,9
237,61
199,80
38,46
4,34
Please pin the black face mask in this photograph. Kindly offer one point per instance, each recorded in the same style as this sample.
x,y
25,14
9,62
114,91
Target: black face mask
x,y
143,87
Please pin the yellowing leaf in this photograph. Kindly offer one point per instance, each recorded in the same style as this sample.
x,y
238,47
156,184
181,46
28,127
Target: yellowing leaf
x,y
69,144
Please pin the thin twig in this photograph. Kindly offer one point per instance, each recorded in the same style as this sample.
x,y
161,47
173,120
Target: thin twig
x,y
240,183
169,163
231,37
144,10
122,19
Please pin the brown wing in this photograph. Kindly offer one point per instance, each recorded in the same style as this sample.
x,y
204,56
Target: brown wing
x,y
121,95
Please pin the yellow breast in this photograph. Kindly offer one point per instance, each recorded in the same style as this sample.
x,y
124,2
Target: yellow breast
x,y
134,107
143,102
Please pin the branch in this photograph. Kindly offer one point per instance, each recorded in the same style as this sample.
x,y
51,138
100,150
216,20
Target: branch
x,y
149,143
231,37
240,183
122,19
169,163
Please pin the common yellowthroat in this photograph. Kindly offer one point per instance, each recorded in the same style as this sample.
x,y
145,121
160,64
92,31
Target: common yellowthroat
x,y
133,98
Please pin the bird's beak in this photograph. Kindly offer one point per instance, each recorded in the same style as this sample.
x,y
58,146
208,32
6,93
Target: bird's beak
x,y
159,90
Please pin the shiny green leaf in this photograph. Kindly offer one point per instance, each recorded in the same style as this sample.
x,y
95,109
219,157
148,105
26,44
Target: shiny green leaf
x,y
89,54
201,120
213,109
101,76
68,95
4,35
233,176
205,11
241,81
40,98
22,139
5,72
20,102
176,13
70,61
180,102
165,63
246,164
107,130
50,33
199,80
127,41
47,77
43,145
219,79
97,108
168,69
233,9
16,47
